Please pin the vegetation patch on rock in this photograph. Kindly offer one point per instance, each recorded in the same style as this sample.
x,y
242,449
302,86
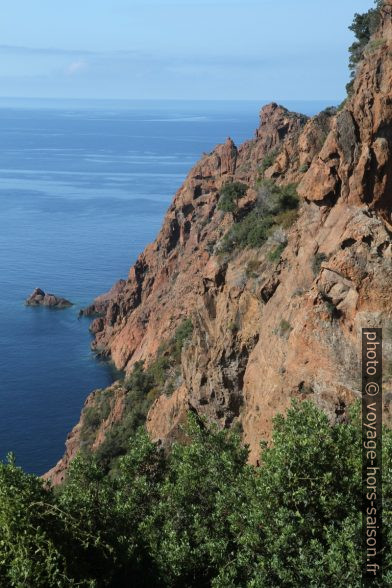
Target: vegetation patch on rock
x,y
229,196
143,386
275,206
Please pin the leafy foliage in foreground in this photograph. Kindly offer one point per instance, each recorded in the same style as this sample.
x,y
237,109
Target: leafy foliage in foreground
x,y
200,516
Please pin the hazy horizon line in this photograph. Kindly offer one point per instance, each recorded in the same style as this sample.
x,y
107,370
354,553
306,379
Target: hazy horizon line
x,y
74,99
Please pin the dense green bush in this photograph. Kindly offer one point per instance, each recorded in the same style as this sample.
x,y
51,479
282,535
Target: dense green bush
x,y
29,554
136,406
329,111
278,199
139,380
277,205
252,231
229,196
200,516
95,414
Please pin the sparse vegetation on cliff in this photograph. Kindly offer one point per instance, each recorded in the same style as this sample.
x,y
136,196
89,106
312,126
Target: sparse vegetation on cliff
x,y
201,516
95,415
275,255
181,336
284,328
303,168
143,386
268,160
318,260
230,194
275,206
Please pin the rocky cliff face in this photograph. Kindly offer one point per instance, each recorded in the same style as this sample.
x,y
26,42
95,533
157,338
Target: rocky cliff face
x,y
170,275
265,329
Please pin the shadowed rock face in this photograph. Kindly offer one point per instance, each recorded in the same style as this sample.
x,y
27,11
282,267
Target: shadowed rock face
x,y
40,298
266,332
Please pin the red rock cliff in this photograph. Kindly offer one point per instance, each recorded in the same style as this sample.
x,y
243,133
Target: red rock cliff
x,y
265,332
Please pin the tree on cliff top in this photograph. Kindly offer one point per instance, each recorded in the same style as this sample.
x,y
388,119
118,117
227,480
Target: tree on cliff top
x,y
363,26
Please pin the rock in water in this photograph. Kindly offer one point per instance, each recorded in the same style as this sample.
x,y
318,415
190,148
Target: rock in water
x,y
40,298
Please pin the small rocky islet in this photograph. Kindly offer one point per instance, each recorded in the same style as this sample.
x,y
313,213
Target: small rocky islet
x,y
41,298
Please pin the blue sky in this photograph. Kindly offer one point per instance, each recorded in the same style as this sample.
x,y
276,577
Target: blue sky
x,y
209,49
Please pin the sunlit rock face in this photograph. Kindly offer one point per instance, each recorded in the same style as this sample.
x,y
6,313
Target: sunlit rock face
x,y
265,331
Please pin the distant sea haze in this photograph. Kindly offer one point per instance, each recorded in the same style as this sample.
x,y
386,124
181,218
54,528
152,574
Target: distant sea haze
x,y
84,187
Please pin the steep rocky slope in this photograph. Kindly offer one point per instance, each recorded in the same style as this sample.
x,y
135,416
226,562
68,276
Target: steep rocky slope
x,y
281,320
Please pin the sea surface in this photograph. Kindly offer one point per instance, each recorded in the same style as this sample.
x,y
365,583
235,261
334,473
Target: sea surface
x,y
83,188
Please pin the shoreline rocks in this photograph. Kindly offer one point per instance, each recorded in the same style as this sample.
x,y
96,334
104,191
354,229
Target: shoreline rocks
x,y
41,298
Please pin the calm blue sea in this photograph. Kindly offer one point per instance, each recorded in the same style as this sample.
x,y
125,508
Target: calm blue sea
x,y
83,188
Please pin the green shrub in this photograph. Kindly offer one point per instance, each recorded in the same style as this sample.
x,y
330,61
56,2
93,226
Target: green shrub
x,y
229,196
92,419
158,369
331,309
284,328
32,548
233,327
344,102
275,255
94,415
116,442
274,199
286,218
329,111
277,206
268,160
375,44
210,246
303,168
283,198
139,380
252,231
200,516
